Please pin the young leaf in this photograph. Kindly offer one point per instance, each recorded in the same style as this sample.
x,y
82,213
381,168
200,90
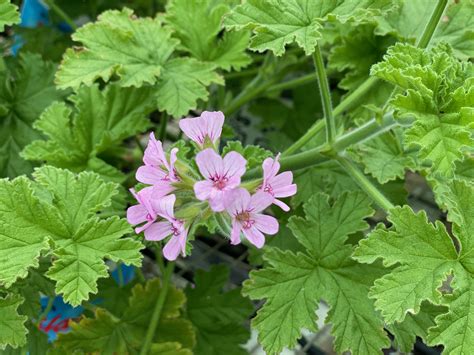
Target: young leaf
x,y
439,96
64,217
217,316
202,39
8,14
425,255
26,89
294,283
12,328
99,121
125,332
277,23
138,51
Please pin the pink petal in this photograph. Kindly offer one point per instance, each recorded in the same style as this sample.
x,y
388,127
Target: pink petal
x,y
150,175
254,236
234,165
260,200
203,189
173,158
266,224
270,167
191,127
235,234
162,189
282,205
285,191
164,206
217,202
136,214
154,153
236,201
209,163
172,248
213,122
158,231
138,230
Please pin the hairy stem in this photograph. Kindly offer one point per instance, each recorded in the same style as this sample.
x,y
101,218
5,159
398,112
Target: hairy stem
x,y
58,11
432,24
365,184
47,309
163,125
325,95
155,318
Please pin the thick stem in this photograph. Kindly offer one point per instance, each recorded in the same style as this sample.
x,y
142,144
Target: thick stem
x,y
350,101
155,318
432,24
252,90
325,95
163,125
294,83
365,184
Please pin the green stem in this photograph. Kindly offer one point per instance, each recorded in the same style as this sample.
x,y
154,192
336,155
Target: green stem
x,y
155,318
325,153
58,11
290,84
163,125
241,73
48,308
349,101
365,184
252,90
159,258
432,24
325,95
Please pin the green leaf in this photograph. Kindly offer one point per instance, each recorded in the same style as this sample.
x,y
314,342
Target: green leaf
x,y
202,39
138,51
276,23
294,283
182,83
8,14
407,22
63,215
217,316
26,89
12,328
98,123
384,158
439,98
254,154
125,332
424,256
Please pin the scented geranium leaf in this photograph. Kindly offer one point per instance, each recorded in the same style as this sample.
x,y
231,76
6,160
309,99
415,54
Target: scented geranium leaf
x,y
8,14
182,83
117,43
98,122
294,283
108,332
439,98
384,158
254,154
408,20
138,51
276,23
58,211
415,326
12,325
426,256
36,342
26,89
217,316
202,39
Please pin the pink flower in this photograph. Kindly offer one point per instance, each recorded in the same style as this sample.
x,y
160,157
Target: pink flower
x,y
157,171
145,211
152,206
277,185
206,127
246,217
169,227
222,176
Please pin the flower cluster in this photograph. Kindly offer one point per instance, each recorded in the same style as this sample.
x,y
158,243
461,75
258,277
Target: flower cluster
x,y
216,188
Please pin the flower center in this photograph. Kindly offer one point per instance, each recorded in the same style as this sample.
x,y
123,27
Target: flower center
x,y
149,217
220,182
268,188
244,218
176,227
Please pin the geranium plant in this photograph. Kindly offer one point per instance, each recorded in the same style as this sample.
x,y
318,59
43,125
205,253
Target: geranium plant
x,y
328,144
